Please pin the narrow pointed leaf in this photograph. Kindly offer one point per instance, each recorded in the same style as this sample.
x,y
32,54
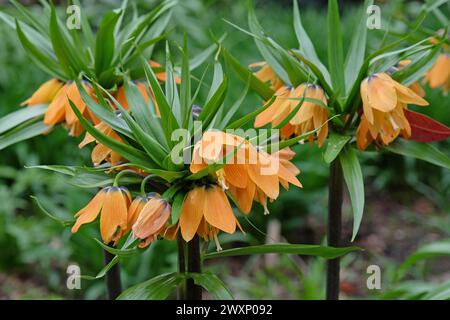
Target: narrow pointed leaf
x,y
354,180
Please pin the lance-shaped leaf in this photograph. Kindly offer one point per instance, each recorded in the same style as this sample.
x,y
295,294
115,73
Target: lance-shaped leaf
x,y
64,50
154,150
157,288
144,113
286,248
306,46
20,116
64,223
415,70
335,48
132,37
336,142
169,122
211,283
105,42
261,88
357,50
127,151
354,180
258,34
423,151
25,131
120,252
432,250
425,129
42,60
250,116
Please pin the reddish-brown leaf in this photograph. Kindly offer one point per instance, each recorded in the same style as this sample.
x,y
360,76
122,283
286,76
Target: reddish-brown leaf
x,y
425,129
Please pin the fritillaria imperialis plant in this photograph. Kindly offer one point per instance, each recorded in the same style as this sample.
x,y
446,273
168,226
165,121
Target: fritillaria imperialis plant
x,y
360,102
171,164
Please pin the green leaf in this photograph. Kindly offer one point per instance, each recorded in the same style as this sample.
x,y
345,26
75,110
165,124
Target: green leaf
x,y
134,36
442,292
415,70
185,86
355,183
234,108
157,288
127,151
64,223
120,252
250,116
43,61
144,114
20,116
335,144
335,49
432,250
423,151
357,50
258,34
169,122
104,45
217,96
176,207
261,88
23,132
151,146
211,283
306,46
66,53
103,271
300,249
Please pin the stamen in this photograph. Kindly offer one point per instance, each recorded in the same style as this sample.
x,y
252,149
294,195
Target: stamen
x,y
216,240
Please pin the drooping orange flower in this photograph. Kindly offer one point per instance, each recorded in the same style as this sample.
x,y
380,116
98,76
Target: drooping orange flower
x,y
112,204
249,172
152,219
45,93
439,74
383,119
60,110
205,211
266,74
100,152
312,114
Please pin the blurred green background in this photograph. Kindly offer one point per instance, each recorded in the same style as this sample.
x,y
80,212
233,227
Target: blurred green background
x,y
407,201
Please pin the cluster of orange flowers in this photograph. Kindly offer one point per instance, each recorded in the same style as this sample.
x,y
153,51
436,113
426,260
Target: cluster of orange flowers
x,y
251,175
383,103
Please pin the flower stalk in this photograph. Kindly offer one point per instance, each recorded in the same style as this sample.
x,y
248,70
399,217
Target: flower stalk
x,y
113,281
334,227
193,291
181,292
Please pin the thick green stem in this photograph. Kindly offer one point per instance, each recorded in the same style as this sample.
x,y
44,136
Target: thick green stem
x,y
334,227
181,292
193,291
113,282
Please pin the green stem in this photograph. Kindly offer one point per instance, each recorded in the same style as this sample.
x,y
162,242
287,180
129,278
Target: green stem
x,y
193,291
334,227
181,292
121,173
144,182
